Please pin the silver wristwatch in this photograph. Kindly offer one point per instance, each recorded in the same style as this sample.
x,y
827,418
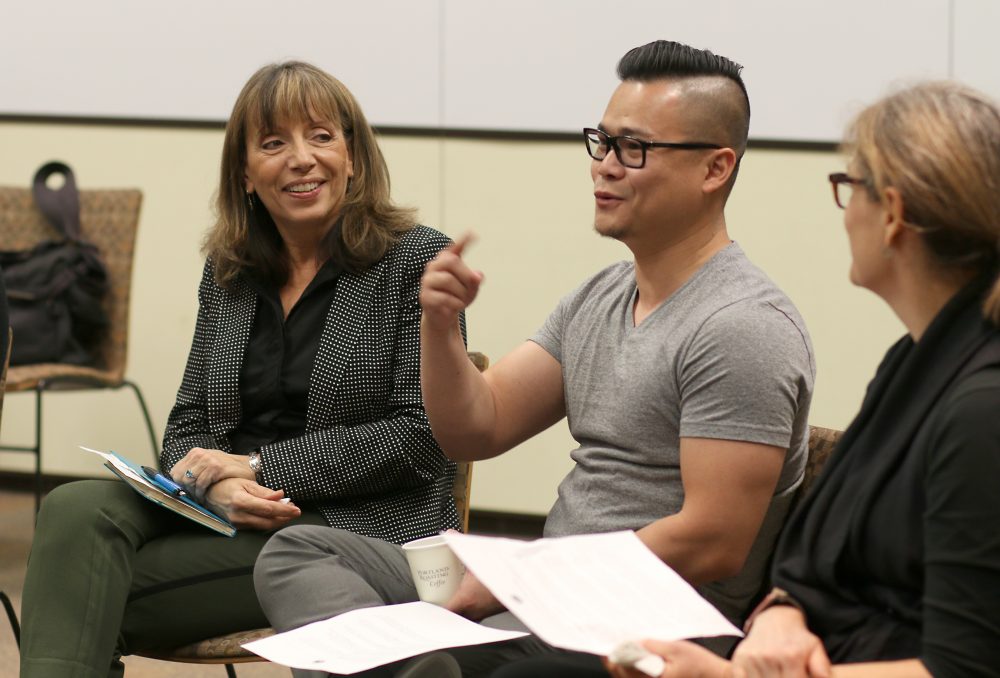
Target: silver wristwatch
x,y
255,464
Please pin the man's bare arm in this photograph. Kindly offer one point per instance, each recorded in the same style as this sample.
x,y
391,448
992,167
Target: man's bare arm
x,y
728,487
478,416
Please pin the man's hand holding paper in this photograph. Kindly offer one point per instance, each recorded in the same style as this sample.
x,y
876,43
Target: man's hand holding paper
x,y
473,600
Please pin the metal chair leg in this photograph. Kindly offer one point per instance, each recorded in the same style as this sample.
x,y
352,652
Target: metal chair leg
x,y
38,446
149,421
12,616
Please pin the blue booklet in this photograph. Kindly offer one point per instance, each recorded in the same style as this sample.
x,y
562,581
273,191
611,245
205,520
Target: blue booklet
x,y
137,479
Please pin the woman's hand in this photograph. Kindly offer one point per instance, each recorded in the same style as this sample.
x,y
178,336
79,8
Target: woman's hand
x,y
199,469
779,644
681,659
473,600
248,505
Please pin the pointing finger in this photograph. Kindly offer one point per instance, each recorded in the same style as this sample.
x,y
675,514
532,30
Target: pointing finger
x,y
464,240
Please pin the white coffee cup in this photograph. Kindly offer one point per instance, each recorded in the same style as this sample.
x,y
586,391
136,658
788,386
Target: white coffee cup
x,y
436,570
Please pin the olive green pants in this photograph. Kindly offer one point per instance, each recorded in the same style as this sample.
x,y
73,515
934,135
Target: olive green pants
x,y
111,573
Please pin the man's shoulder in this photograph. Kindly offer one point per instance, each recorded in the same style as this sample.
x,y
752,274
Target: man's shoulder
x,y
731,274
733,304
611,280
587,307
734,289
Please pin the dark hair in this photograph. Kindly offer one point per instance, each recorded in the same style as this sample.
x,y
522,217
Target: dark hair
x,y
724,110
667,59
244,237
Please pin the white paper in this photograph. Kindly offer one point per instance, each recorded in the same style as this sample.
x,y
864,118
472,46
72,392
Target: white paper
x,y
590,593
373,636
120,464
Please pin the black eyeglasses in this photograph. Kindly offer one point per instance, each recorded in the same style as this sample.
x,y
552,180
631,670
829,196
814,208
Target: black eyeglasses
x,y
839,179
631,152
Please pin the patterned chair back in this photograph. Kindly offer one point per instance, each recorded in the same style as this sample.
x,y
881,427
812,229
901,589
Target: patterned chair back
x,y
108,219
821,444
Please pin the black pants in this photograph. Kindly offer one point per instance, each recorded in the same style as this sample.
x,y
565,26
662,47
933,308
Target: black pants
x,y
111,573
563,666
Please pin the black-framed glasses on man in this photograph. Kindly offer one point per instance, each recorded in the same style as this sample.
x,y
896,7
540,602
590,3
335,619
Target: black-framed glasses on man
x,y
631,152
838,180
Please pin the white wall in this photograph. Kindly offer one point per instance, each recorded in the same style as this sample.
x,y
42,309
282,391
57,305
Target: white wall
x,y
481,64
531,205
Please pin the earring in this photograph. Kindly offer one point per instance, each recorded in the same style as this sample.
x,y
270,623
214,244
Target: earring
x,y
250,201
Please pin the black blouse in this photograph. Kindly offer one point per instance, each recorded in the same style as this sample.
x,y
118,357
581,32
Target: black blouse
x,y
896,552
274,377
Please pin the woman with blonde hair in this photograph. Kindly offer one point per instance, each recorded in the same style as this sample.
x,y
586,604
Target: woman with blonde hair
x,y
303,384
890,566
892,562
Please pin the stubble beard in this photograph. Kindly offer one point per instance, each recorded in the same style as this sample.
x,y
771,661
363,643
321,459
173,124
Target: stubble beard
x,y
613,231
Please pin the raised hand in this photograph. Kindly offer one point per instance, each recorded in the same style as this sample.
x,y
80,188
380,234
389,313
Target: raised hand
x,y
448,286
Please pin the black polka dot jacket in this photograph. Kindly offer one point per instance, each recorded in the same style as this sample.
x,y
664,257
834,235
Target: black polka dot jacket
x,y
367,460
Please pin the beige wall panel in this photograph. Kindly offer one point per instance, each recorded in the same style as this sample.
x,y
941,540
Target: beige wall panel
x,y
415,170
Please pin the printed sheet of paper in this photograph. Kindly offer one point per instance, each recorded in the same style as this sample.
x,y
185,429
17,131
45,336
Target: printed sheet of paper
x,y
590,593
373,636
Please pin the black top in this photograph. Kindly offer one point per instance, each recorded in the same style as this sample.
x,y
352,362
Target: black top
x,y
274,377
895,553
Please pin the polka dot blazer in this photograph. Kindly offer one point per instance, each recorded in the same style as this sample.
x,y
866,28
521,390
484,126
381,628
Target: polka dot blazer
x,y
367,460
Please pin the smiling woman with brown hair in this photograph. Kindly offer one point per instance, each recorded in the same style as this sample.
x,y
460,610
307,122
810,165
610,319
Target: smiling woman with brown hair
x,y
370,224
303,383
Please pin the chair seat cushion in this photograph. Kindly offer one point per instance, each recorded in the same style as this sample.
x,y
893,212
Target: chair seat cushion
x,y
219,650
26,377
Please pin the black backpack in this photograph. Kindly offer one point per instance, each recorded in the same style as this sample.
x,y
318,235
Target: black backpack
x,y
56,290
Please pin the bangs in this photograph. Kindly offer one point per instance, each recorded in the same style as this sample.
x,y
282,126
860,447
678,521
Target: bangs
x,y
287,94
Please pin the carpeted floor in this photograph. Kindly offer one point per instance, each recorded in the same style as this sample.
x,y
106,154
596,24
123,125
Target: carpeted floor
x,y
16,521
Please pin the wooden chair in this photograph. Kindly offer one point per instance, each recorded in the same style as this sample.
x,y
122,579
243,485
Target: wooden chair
x,y
821,444
108,219
228,650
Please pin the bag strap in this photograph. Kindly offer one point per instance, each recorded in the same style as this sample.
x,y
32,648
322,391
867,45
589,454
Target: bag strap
x,y
60,206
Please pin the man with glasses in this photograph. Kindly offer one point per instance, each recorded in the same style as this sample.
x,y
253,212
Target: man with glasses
x,y
685,373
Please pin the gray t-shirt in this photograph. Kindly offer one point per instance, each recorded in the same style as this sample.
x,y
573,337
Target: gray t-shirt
x,y
726,356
